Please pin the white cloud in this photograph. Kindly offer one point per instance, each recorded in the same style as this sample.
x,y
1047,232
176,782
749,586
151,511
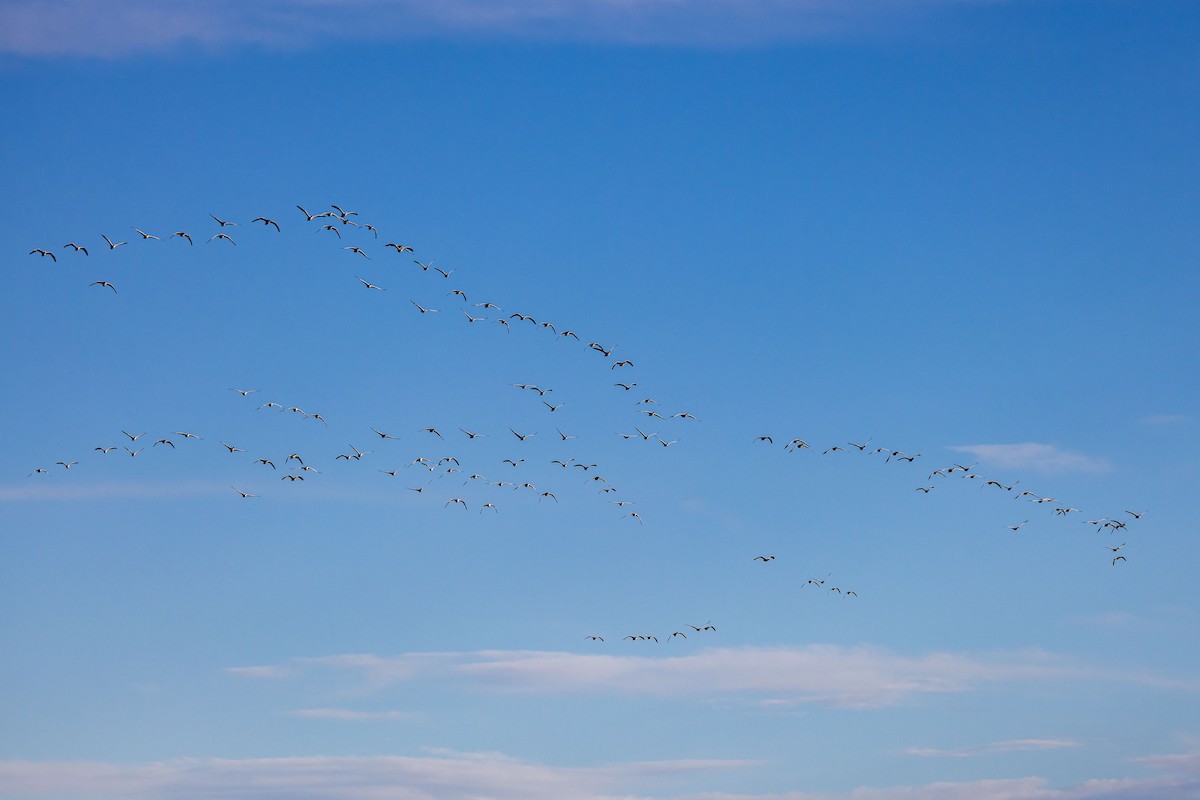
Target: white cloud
x,y
451,775
42,488
349,715
266,671
830,675
441,775
1045,458
89,28
1008,746
1178,763
1165,419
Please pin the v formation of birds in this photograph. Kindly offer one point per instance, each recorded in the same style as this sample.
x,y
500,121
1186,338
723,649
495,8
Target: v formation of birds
x,y
490,494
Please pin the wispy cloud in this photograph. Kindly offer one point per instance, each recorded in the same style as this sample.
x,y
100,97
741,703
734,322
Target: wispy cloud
x,y
43,489
1008,746
349,715
1165,419
829,675
1044,458
1178,763
439,775
451,775
92,29
265,671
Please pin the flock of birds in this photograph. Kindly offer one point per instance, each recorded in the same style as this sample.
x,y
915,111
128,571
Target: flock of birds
x,y
488,495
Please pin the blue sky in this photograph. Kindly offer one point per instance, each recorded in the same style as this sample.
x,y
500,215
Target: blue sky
x,y
963,230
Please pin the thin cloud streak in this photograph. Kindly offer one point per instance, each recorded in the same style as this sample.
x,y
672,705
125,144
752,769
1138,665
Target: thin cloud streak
x,y
451,775
1165,419
266,672
349,715
1008,746
1044,458
85,28
440,775
41,489
827,675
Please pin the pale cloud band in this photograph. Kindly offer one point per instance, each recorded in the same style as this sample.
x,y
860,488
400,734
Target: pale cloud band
x,y
770,677
450,775
93,28
1044,458
1007,746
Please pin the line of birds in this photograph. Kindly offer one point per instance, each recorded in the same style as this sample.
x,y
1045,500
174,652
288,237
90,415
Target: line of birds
x,y
337,220
1058,508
